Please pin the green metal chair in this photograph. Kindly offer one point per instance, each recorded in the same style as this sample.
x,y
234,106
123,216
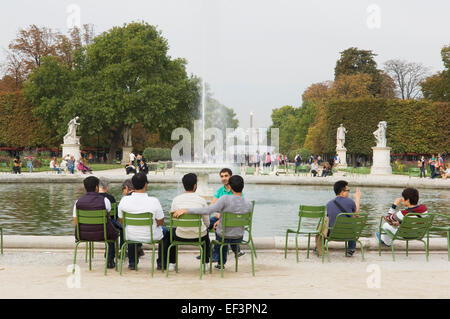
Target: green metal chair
x,y
143,220
414,171
413,227
234,220
314,214
93,217
347,226
113,215
444,228
187,220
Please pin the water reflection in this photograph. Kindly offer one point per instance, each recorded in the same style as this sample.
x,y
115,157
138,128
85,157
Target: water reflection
x,y
46,209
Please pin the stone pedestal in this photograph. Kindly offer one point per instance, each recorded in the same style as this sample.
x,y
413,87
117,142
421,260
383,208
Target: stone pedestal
x,y
126,151
342,153
381,161
71,149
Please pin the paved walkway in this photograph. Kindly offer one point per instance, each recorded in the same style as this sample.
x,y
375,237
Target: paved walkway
x,y
119,175
47,274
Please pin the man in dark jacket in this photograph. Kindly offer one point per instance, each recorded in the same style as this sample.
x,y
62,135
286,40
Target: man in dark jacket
x,y
93,200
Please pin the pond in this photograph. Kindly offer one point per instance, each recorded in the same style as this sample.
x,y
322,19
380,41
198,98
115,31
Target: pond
x,y
46,209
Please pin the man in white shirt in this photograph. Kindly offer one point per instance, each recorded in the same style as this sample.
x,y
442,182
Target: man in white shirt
x,y
132,158
139,202
190,199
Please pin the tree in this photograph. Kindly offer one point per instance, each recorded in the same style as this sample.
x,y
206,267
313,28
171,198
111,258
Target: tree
x,y
122,78
437,86
407,77
354,61
351,86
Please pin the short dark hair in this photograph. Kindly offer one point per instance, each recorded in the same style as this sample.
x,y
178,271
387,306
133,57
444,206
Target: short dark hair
x,y
226,170
339,186
127,183
236,183
189,180
412,194
91,183
139,180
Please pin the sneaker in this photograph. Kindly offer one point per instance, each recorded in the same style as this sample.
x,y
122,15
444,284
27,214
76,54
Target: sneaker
x,y
217,266
241,253
140,252
132,267
171,267
111,264
350,253
377,234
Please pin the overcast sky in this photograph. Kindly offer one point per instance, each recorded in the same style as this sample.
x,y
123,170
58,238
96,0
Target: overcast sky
x,y
258,54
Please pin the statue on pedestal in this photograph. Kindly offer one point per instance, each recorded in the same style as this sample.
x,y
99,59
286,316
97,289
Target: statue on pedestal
x,y
380,134
71,136
340,137
127,137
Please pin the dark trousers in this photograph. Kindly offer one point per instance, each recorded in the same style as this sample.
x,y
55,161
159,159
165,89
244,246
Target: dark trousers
x,y
423,171
166,243
433,171
225,248
16,169
215,255
172,257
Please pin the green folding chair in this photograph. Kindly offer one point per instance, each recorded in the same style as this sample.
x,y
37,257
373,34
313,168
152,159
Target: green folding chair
x,y
347,227
413,227
93,217
233,220
313,218
187,220
143,220
441,228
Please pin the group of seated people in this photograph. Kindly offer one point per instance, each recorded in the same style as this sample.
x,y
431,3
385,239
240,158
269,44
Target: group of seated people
x,y
326,169
137,165
228,198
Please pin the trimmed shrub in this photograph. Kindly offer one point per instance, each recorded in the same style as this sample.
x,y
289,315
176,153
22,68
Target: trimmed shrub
x,y
154,154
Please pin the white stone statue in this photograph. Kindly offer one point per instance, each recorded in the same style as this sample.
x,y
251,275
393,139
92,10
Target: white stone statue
x,y
340,137
380,134
127,137
71,136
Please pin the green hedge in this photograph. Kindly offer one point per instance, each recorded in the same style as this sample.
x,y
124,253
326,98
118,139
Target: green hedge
x,y
153,154
412,126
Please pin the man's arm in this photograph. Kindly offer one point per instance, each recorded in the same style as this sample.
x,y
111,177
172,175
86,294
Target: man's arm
x,y
216,207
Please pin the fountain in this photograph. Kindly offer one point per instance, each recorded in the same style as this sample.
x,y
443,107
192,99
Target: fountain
x,y
204,167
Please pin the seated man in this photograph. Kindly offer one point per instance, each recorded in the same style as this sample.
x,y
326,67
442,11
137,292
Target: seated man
x,y
341,204
190,199
103,190
228,203
139,202
314,168
129,168
92,200
409,199
54,166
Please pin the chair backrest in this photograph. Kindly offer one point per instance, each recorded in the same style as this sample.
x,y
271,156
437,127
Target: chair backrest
x,y
91,217
187,220
141,219
113,210
348,226
309,213
414,226
235,220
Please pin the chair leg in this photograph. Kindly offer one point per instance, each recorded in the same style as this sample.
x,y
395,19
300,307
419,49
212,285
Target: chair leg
x,y
204,257
253,245
87,249
106,259
122,256
346,244
407,248
201,261
176,259
162,261
90,254
116,244
238,248
221,260
362,250
328,254
75,257
307,249
296,246
210,258
285,245
323,248
426,249
162,255
153,259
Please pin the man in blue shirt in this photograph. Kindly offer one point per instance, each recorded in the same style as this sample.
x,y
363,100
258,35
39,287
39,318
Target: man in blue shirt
x,y
343,204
